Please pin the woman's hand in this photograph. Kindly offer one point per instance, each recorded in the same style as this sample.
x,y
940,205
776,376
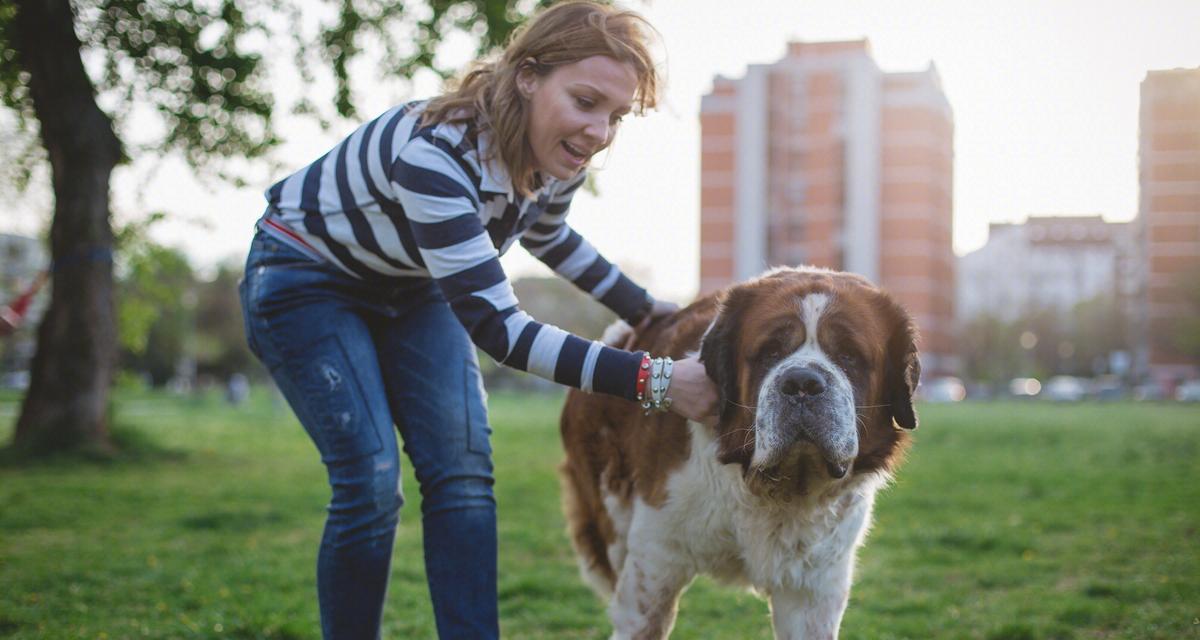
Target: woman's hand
x,y
661,308
693,394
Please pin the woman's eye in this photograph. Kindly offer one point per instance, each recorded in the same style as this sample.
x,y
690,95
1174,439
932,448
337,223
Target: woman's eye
x,y
584,103
617,119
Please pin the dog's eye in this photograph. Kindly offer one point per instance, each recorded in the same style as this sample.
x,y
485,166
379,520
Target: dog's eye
x,y
850,359
770,351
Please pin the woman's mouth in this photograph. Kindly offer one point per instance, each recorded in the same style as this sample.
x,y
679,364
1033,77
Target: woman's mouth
x,y
575,153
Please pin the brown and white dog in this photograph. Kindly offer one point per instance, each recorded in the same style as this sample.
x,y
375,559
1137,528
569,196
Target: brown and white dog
x,y
816,371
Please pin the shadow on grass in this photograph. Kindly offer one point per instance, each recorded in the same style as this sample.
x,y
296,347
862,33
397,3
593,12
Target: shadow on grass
x,y
127,445
235,521
275,633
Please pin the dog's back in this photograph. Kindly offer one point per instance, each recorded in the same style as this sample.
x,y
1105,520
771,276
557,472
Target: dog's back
x,y
611,447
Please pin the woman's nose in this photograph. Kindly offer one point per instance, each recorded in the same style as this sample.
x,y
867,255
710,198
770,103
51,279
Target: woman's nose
x,y
597,131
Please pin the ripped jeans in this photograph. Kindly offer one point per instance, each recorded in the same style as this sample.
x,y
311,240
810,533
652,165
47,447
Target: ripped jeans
x,y
353,359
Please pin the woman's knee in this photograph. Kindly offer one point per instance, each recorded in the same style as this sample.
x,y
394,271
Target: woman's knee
x,y
366,491
472,489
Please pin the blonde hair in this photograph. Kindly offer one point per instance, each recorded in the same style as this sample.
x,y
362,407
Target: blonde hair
x,y
488,94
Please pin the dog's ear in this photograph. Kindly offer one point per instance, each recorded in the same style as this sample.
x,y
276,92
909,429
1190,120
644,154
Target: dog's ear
x,y
903,371
718,352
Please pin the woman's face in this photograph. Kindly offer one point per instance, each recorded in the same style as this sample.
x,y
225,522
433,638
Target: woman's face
x,y
574,111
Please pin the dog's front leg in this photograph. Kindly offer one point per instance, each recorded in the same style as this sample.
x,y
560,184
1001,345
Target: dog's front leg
x,y
810,615
647,595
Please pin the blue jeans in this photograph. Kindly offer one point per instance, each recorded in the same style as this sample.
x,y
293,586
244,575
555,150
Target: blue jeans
x,y
353,358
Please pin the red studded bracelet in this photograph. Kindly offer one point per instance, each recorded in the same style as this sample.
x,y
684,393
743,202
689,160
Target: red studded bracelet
x,y
643,376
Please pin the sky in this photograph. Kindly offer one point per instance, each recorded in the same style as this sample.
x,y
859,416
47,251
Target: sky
x,y
1044,93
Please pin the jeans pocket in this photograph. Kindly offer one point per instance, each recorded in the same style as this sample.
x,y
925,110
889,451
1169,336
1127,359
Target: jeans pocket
x,y
269,252
479,432
333,408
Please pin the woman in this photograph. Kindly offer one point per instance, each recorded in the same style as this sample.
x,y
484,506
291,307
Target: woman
x,y
376,267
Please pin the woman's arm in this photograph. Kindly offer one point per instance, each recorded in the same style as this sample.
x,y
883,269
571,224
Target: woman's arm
x,y
441,206
561,248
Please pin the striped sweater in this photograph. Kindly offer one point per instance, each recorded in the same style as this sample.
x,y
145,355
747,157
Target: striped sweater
x,y
396,200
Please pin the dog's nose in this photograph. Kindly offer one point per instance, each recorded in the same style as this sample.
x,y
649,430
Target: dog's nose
x,y
802,381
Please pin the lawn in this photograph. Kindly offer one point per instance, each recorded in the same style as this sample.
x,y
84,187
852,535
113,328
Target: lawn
x,y
1008,521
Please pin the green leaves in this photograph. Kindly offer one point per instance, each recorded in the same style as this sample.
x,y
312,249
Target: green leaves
x,y
156,297
409,35
195,76
188,62
1184,333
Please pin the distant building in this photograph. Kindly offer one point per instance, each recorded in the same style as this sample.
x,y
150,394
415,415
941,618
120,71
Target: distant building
x,y
823,159
1168,223
1047,262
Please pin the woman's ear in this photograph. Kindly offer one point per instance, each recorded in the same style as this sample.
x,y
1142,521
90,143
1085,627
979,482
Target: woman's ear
x,y
528,78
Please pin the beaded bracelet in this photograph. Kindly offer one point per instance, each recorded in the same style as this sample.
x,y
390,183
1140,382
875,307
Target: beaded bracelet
x,y
660,380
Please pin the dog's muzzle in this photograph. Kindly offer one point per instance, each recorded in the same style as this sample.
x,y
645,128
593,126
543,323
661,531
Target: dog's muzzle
x,y
815,406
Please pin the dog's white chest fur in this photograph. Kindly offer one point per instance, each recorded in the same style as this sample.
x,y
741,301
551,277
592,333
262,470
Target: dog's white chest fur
x,y
712,522
799,551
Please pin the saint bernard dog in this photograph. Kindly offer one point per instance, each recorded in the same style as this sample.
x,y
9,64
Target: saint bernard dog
x,y
816,370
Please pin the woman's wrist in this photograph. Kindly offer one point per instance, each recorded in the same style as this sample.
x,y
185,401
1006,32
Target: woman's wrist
x,y
695,394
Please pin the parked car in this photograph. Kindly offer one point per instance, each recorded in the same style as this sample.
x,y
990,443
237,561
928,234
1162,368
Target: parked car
x,y
947,389
1149,391
980,391
1107,387
1024,387
1065,389
1188,391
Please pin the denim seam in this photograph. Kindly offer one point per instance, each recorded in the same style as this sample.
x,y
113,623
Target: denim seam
x,y
470,381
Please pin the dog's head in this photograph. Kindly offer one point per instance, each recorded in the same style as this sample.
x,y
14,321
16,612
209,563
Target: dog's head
x,y
816,370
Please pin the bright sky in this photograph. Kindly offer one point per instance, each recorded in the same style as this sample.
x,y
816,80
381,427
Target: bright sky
x,y
1044,93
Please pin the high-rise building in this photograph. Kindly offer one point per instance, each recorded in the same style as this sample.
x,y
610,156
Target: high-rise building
x,y
821,158
1169,217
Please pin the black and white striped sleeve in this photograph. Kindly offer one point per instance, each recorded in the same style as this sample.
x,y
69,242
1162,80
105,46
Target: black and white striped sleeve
x,y
561,248
442,205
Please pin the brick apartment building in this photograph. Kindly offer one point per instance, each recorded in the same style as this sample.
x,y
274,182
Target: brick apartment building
x,y
821,158
1168,220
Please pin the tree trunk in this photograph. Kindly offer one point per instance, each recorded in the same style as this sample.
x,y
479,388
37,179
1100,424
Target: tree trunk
x,y
66,406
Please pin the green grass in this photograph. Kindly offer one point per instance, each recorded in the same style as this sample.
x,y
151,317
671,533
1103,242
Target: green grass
x,y
1007,522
